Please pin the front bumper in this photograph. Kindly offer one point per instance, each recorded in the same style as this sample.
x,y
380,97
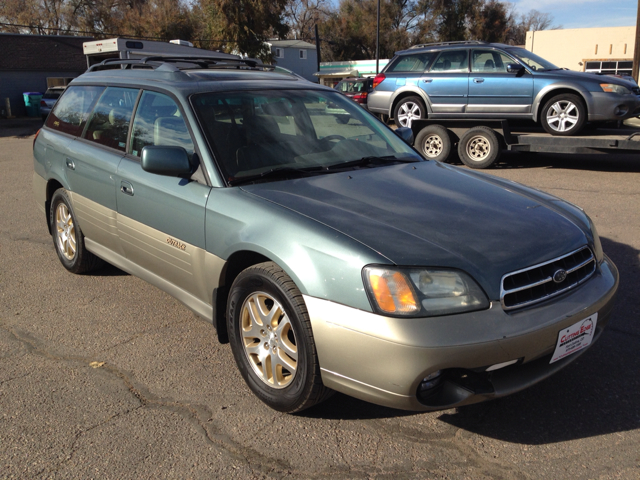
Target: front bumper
x,y
383,360
603,106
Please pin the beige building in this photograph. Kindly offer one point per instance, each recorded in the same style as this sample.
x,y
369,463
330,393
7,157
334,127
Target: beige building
x,y
606,50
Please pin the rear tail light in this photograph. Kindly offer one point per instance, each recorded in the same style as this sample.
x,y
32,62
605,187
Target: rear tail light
x,y
43,103
378,79
359,97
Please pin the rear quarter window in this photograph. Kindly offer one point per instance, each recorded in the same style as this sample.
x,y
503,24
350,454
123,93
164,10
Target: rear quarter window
x,y
411,63
72,109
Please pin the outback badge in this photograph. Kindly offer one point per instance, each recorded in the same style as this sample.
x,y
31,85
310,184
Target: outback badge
x,y
176,243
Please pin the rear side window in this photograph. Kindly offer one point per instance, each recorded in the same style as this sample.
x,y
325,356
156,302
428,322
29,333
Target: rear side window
x,y
109,124
72,110
158,121
411,63
451,61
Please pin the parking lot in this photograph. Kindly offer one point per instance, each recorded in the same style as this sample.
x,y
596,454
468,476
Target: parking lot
x,y
105,376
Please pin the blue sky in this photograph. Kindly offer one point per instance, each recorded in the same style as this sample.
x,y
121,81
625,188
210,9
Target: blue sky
x,y
584,13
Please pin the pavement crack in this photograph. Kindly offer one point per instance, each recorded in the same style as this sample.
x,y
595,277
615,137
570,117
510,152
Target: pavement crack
x,y
14,378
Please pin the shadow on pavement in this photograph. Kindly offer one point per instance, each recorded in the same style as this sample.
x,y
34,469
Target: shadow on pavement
x,y
20,127
596,395
591,162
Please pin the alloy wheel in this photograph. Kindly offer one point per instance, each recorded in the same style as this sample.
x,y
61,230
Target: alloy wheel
x,y
65,232
562,116
269,340
408,112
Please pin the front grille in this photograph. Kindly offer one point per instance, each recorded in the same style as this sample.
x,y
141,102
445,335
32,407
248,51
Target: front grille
x,y
536,284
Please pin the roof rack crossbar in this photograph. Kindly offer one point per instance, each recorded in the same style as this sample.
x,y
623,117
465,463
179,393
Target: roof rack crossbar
x,y
462,42
220,61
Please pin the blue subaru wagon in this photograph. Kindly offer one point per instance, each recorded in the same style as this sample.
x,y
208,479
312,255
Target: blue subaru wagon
x,y
490,80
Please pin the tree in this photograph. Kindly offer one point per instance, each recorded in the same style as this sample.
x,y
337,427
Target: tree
x,y
534,20
453,18
303,15
245,25
491,23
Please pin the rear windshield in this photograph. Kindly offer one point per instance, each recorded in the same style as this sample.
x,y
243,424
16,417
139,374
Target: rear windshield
x,y
352,86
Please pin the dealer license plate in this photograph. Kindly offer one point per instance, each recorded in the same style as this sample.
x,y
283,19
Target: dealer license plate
x,y
575,338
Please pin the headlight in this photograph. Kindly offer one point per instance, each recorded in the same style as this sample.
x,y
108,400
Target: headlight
x,y
613,88
422,292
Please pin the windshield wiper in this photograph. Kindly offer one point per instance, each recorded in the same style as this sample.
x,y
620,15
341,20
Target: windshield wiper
x,y
282,172
372,160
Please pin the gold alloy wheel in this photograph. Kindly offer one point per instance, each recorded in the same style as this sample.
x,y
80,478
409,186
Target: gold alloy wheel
x,y
65,232
269,340
478,148
432,146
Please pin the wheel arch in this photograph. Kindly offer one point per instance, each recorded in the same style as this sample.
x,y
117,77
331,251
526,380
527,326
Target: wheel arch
x,y
545,95
236,263
52,186
409,92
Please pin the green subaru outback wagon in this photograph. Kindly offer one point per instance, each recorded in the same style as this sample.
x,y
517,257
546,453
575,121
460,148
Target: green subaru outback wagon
x,y
329,254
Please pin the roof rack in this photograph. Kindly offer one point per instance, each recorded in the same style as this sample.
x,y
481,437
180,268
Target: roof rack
x,y
463,42
168,63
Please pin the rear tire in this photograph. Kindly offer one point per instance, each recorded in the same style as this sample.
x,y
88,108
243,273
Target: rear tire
x,y
479,147
68,239
407,110
434,143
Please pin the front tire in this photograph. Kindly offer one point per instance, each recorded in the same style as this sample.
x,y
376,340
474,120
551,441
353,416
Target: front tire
x,y
68,239
563,115
271,339
407,110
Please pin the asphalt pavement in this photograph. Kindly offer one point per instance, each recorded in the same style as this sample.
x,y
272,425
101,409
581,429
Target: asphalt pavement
x,y
104,376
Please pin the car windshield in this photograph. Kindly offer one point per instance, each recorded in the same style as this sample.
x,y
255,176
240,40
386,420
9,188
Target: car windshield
x,y
254,133
532,60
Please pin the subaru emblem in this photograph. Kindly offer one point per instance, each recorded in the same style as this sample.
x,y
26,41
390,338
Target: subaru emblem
x,y
560,276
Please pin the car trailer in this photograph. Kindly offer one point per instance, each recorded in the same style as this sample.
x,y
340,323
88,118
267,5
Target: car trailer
x,y
478,143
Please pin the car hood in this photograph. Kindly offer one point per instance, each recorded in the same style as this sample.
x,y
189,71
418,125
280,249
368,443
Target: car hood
x,y
564,74
430,214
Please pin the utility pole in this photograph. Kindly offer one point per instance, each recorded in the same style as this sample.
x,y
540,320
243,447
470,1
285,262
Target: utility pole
x,y
636,50
378,40
317,48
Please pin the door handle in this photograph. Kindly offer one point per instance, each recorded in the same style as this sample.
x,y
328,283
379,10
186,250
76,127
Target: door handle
x,y
126,188
70,164
427,80
478,80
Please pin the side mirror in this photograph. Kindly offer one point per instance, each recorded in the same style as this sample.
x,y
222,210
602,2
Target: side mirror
x,y
166,160
515,68
406,134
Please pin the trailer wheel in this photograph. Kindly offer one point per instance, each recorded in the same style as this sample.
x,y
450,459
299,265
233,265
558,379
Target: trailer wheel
x,y
479,147
563,115
434,143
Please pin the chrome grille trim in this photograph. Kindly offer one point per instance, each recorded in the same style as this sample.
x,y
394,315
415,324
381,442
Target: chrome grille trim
x,y
537,298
